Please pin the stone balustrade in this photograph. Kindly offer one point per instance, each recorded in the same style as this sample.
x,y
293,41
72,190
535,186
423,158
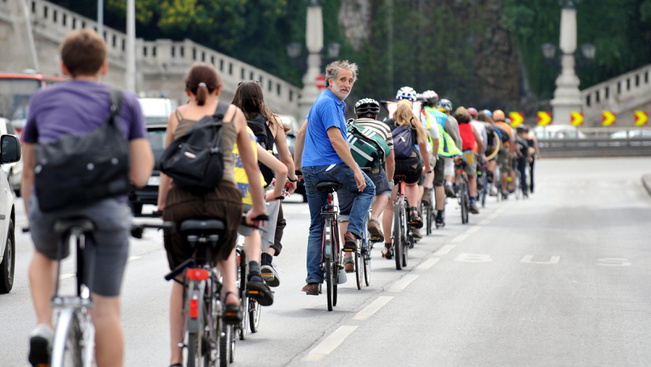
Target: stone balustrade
x,y
621,95
160,64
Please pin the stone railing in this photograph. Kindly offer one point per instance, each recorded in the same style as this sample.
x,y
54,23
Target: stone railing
x,y
157,60
621,94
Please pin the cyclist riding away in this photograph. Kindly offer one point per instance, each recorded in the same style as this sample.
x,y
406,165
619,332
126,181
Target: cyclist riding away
x,y
322,152
471,143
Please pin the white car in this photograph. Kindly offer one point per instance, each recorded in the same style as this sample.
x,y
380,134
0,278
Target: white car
x,y
9,153
14,171
558,132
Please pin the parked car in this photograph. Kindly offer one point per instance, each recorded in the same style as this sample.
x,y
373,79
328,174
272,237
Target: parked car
x,y
148,194
558,132
9,153
157,110
14,170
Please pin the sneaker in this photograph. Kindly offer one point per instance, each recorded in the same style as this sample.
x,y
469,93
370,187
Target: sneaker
x,y
257,289
473,207
270,275
349,264
439,221
350,242
312,289
342,276
492,191
40,345
449,191
427,196
375,231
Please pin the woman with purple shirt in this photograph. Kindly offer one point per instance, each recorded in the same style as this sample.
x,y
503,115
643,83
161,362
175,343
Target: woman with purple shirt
x,y
77,107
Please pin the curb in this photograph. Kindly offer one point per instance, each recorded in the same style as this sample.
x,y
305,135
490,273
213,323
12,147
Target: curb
x,y
646,181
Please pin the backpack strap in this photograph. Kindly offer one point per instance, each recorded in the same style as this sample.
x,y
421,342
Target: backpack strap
x,y
116,105
220,111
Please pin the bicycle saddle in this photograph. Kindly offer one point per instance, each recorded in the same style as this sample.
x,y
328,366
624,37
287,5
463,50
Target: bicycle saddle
x,y
328,186
66,224
202,225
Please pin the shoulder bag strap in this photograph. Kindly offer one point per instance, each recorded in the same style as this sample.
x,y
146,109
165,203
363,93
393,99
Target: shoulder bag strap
x,y
222,108
116,105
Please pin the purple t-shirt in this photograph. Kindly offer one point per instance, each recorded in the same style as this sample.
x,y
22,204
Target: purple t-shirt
x,y
78,107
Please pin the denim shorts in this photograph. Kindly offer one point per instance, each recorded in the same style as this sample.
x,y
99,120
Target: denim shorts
x,y
109,249
346,198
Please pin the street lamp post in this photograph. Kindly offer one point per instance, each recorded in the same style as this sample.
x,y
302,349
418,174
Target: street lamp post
x,y
567,97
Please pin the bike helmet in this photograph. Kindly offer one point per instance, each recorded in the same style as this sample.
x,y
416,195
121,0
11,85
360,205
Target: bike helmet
x,y
430,97
445,104
487,112
473,112
498,115
407,93
367,107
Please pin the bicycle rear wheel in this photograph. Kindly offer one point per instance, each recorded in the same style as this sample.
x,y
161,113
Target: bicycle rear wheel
x,y
226,346
359,272
463,201
255,312
398,225
407,234
366,257
66,347
242,328
429,218
329,282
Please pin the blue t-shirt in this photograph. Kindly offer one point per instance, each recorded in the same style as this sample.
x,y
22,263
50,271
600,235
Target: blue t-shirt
x,y
78,107
326,112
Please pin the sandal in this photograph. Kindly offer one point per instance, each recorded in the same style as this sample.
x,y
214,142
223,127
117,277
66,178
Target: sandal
x,y
375,231
232,312
416,220
387,252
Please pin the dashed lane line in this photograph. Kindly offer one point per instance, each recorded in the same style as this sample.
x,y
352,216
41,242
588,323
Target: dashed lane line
x,y
444,250
371,309
459,238
330,343
403,282
427,263
473,229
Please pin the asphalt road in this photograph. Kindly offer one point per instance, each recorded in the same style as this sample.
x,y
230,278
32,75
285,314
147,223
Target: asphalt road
x,y
560,279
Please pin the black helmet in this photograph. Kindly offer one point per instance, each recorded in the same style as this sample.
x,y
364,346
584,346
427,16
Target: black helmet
x,y
367,107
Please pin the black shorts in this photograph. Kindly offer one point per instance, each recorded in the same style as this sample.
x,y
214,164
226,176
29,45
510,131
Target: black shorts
x,y
439,172
412,168
224,203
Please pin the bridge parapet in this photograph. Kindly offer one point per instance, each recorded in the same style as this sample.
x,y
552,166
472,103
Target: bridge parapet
x,y
621,95
160,64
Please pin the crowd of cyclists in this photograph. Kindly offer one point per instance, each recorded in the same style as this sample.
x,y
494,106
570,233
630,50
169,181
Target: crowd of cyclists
x,y
443,140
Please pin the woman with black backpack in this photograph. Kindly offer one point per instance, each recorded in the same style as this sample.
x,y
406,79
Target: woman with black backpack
x,y
411,166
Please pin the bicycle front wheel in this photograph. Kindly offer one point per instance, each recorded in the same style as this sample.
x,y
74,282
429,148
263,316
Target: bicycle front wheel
x,y
398,225
66,347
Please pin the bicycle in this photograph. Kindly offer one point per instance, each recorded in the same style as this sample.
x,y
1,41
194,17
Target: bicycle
x,y
464,194
207,340
482,183
426,208
401,225
74,332
330,241
363,257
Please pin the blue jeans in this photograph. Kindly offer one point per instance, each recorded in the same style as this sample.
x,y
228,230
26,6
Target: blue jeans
x,y
317,199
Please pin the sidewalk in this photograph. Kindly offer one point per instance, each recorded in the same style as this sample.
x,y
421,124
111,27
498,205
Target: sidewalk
x,y
646,180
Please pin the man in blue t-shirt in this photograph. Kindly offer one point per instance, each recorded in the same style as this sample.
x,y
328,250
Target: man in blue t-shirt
x,y
322,153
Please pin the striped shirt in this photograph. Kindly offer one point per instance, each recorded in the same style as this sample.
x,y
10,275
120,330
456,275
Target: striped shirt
x,y
379,127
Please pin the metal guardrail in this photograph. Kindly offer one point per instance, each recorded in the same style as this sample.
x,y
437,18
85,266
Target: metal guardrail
x,y
595,147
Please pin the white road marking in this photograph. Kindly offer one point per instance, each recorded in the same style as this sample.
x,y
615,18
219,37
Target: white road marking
x,y
459,238
403,283
371,309
131,258
529,260
330,343
66,276
485,222
613,261
473,229
444,250
428,263
473,258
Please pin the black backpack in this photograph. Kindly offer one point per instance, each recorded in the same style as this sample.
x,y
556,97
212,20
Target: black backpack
x,y
195,159
266,139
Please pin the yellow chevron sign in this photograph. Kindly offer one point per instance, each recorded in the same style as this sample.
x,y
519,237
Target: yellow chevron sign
x,y
544,118
576,118
641,118
516,118
608,118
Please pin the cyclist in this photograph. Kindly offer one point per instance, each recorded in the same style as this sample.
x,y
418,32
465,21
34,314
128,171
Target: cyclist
x,y
534,153
452,127
78,106
481,155
471,144
523,158
203,84
491,145
367,111
447,149
322,152
250,99
412,168
507,150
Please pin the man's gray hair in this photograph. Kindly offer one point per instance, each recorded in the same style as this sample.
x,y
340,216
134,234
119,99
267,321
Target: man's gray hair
x,y
332,70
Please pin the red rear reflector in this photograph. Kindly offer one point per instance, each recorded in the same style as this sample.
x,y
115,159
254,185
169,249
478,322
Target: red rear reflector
x,y
194,308
197,274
